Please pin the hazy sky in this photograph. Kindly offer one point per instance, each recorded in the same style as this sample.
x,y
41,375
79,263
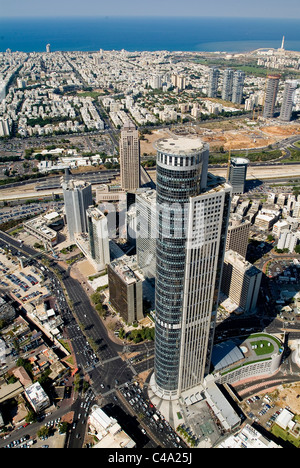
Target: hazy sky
x,y
237,8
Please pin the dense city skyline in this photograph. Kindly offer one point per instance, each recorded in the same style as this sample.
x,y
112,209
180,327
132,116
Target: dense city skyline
x,y
149,230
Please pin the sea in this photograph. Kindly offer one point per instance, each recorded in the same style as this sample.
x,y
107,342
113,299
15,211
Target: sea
x,y
196,34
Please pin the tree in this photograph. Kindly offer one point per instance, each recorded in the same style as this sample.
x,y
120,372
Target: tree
x,y
63,427
31,417
43,432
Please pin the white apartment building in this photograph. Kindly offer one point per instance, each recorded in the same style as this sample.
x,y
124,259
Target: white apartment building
x,y
288,240
98,238
266,219
37,397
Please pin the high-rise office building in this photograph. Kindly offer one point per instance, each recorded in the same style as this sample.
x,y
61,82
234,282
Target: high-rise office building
x,y
241,281
146,231
77,197
227,84
98,238
271,96
237,174
130,157
192,217
238,234
126,289
213,78
238,86
288,100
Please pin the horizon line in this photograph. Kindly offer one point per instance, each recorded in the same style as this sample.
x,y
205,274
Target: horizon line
x,y
148,16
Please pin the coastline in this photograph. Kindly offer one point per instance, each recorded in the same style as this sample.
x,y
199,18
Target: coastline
x,y
137,34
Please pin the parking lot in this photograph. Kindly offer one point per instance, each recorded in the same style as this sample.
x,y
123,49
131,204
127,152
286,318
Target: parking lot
x,y
23,283
262,410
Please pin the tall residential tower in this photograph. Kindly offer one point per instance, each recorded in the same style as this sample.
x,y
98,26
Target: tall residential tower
x,y
271,96
227,85
213,78
238,86
288,100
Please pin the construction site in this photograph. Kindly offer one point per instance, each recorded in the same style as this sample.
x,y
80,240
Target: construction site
x,y
234,135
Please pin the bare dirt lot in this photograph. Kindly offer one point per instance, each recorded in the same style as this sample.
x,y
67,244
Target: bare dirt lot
x,y
283,131
288,395
229,135
147,144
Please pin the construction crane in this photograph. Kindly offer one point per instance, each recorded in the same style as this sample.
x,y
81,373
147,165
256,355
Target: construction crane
x,y
228,164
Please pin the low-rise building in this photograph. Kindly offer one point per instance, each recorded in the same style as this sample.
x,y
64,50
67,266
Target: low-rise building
x,y
108,431
248,437
258,355
39,228
37,397
266,219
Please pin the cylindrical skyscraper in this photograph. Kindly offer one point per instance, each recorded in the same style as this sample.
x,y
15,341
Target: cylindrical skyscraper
x,y
237,174
181,165
184,208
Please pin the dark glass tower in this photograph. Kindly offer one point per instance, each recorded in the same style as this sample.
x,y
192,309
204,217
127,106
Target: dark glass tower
x,y
181,173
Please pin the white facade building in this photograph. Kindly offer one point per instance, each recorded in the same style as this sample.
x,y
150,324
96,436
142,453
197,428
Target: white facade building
x,y
37,397
98,238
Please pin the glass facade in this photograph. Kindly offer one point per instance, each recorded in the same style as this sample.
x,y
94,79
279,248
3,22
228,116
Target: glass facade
x,y
178,179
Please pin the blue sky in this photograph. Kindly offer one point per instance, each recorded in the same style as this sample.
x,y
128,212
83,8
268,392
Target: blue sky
x,y
223,8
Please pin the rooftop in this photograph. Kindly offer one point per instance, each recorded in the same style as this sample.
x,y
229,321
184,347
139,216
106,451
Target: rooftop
x,y
124,267
179,145
233,353
240,161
